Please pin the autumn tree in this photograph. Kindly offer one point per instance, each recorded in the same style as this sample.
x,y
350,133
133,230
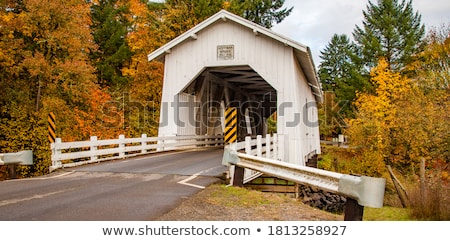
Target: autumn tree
x,y
399,124
432,76
431,67
371,132
142,101
45,47
390,30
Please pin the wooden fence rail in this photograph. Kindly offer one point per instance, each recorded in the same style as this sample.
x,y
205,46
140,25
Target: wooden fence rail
x,y
70,154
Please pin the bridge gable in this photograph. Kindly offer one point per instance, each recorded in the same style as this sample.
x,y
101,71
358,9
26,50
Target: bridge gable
x,y
226,40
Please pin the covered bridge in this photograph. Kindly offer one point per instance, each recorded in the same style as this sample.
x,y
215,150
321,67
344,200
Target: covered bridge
x,y
228,61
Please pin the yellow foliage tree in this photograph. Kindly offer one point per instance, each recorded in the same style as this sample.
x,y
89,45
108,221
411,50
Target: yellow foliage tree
x,y
371,132
398,125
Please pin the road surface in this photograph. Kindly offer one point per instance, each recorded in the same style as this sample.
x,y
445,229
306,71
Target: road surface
x,y
141,188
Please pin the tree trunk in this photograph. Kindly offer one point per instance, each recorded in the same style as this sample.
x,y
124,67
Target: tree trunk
x,y
399,188
422,179
38,96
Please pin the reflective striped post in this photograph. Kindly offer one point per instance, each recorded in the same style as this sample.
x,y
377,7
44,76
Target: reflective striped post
x,y
230,125
231,137
51,127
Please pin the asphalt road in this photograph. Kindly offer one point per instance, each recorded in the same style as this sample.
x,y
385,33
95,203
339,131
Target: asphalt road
x,y
141,188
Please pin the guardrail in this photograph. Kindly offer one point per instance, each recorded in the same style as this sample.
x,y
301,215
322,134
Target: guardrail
x,y
16,158
360,190
70,154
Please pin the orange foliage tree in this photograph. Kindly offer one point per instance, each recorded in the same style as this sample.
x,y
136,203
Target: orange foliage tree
x,y
44,46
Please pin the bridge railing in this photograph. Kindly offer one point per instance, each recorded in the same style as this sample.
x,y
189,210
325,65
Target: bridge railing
x,y
70,154
267,146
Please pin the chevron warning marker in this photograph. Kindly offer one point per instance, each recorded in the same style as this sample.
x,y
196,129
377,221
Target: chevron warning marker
x,y
230,125
51,127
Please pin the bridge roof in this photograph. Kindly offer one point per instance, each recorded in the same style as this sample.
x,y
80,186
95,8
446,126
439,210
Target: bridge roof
x,y
302,52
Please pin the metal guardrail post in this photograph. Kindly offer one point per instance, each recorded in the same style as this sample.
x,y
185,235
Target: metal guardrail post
x,y
353,211
238,178
12,174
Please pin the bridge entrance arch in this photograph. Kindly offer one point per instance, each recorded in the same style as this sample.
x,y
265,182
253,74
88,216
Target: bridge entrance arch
x,y
228,61
205,99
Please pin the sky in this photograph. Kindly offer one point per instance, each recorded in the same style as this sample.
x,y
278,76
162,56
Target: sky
x,y
314,22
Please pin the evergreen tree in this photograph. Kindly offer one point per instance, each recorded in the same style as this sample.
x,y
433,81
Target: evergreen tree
x,y
262,12
341,72
182,15
110,28
390,30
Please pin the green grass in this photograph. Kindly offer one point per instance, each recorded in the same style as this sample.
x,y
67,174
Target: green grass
x,y
234,196
386,214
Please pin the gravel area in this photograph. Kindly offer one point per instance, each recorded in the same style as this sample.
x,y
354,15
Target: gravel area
x,y
215,203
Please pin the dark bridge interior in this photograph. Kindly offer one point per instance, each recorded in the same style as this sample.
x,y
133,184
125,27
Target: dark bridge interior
x,y
232,86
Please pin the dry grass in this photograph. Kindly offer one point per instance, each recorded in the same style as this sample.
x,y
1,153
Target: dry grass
x,y
434,204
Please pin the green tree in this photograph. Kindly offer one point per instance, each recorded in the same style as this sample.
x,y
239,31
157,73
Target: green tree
x,y
110,27
390,30
181,15
341,72
263,12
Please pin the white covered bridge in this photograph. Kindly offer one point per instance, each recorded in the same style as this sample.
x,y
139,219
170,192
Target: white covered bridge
x,y
228,61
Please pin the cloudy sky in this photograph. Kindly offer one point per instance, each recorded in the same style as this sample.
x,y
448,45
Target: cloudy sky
x,y
313,22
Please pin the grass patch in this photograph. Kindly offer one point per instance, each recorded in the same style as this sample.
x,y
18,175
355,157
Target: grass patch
x,y
386,214
235,196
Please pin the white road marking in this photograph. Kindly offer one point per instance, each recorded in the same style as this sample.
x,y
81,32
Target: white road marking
x,y
37,196
40,178
185,181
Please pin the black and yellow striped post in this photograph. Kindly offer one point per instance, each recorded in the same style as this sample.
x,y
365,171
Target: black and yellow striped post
x,y
231,137
230,125
51,127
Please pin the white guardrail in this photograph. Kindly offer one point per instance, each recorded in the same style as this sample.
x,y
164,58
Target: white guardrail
x,y
70,154
367,191
21,158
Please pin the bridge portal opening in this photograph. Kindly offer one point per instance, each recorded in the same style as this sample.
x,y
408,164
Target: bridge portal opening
x,y
203,101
